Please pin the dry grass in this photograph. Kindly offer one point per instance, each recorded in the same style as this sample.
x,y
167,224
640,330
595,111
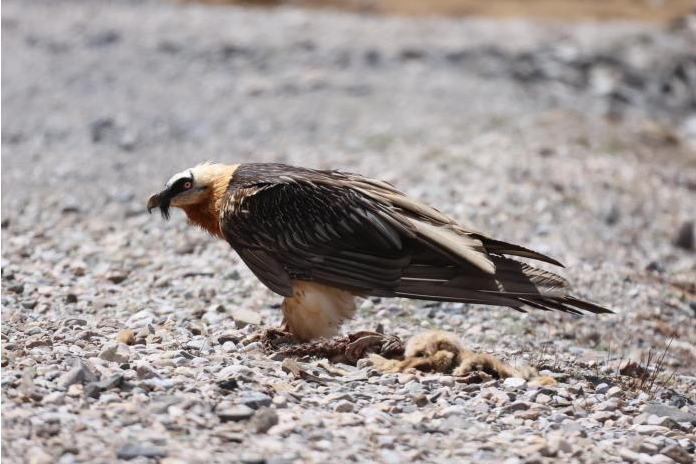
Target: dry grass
x,y
649,375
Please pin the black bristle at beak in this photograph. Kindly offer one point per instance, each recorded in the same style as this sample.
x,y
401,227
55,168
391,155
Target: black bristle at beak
x,y
164,209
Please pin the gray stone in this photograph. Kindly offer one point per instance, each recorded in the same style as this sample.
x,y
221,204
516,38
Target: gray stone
x,y
235,413
650,429
602,388
146,371
115,352
678,454
244,317
673,413
255,400
344,406
514,383
94,389
252,458
131,451
518,406
263,419
80,373
684,237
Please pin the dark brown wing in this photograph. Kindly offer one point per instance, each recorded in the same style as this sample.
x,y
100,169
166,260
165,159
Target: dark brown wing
x,y
363,235
295,224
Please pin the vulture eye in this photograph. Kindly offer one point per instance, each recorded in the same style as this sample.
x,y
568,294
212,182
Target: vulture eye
x,y
188,185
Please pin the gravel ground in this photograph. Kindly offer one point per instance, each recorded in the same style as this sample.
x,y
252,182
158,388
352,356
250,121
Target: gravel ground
x,y
123,337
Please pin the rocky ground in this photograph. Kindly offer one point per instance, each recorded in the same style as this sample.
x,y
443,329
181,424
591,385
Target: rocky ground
x,y
124,337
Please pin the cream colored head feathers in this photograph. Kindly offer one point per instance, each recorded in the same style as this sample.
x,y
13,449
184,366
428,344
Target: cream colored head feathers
x,y
198,191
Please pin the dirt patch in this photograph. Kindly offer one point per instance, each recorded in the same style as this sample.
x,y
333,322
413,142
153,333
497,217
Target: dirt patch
x,y
572,10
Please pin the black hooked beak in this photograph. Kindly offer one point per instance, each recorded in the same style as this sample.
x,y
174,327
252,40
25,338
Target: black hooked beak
x,y
160,200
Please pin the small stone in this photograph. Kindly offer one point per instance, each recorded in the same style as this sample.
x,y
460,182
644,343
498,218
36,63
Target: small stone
x,y
75,390
131,451
126,336
115,352
647,447
344,406
280,401
70,298
452,411
229,384
542,398
497,396
663,421
603,416
514,383
685,236
74,322
532,414
263,420
406,378
650,429
146,371
38,456
660,459
94,389
172,460
79,373
41,341
557,444
54,398
631,456
602,388
251,458
255,400
117,277
614,392
606,406
143,332
253,346
677,454
107,383
244,317
662,410
517,406
17,288
235,413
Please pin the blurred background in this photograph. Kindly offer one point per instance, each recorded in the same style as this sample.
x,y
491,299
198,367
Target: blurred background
x,y
568,126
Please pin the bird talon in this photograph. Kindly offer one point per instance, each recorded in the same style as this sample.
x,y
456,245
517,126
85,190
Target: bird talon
x,y
272,338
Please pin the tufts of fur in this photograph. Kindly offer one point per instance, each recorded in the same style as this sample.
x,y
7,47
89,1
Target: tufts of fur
x,y
443,352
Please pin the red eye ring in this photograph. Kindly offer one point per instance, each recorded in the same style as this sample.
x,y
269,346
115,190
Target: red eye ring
x,y
188,185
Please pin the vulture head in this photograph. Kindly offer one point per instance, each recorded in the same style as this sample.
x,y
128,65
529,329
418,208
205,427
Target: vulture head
x,y
198,191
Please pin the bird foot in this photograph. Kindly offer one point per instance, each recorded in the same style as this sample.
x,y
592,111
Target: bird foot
x,y
273,338
348,349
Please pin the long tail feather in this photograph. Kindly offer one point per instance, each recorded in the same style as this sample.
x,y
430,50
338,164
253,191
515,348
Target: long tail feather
x,y
514,284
